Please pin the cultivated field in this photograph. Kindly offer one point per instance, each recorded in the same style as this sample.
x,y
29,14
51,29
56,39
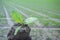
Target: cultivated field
x,y
46,11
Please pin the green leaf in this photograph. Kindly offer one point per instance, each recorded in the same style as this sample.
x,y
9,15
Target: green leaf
x,y
17,17
17,29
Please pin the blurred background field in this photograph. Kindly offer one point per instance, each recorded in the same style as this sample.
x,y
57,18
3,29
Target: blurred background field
x,y
46,11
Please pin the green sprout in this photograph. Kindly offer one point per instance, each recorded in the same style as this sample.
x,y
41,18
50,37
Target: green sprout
x,y
18,18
